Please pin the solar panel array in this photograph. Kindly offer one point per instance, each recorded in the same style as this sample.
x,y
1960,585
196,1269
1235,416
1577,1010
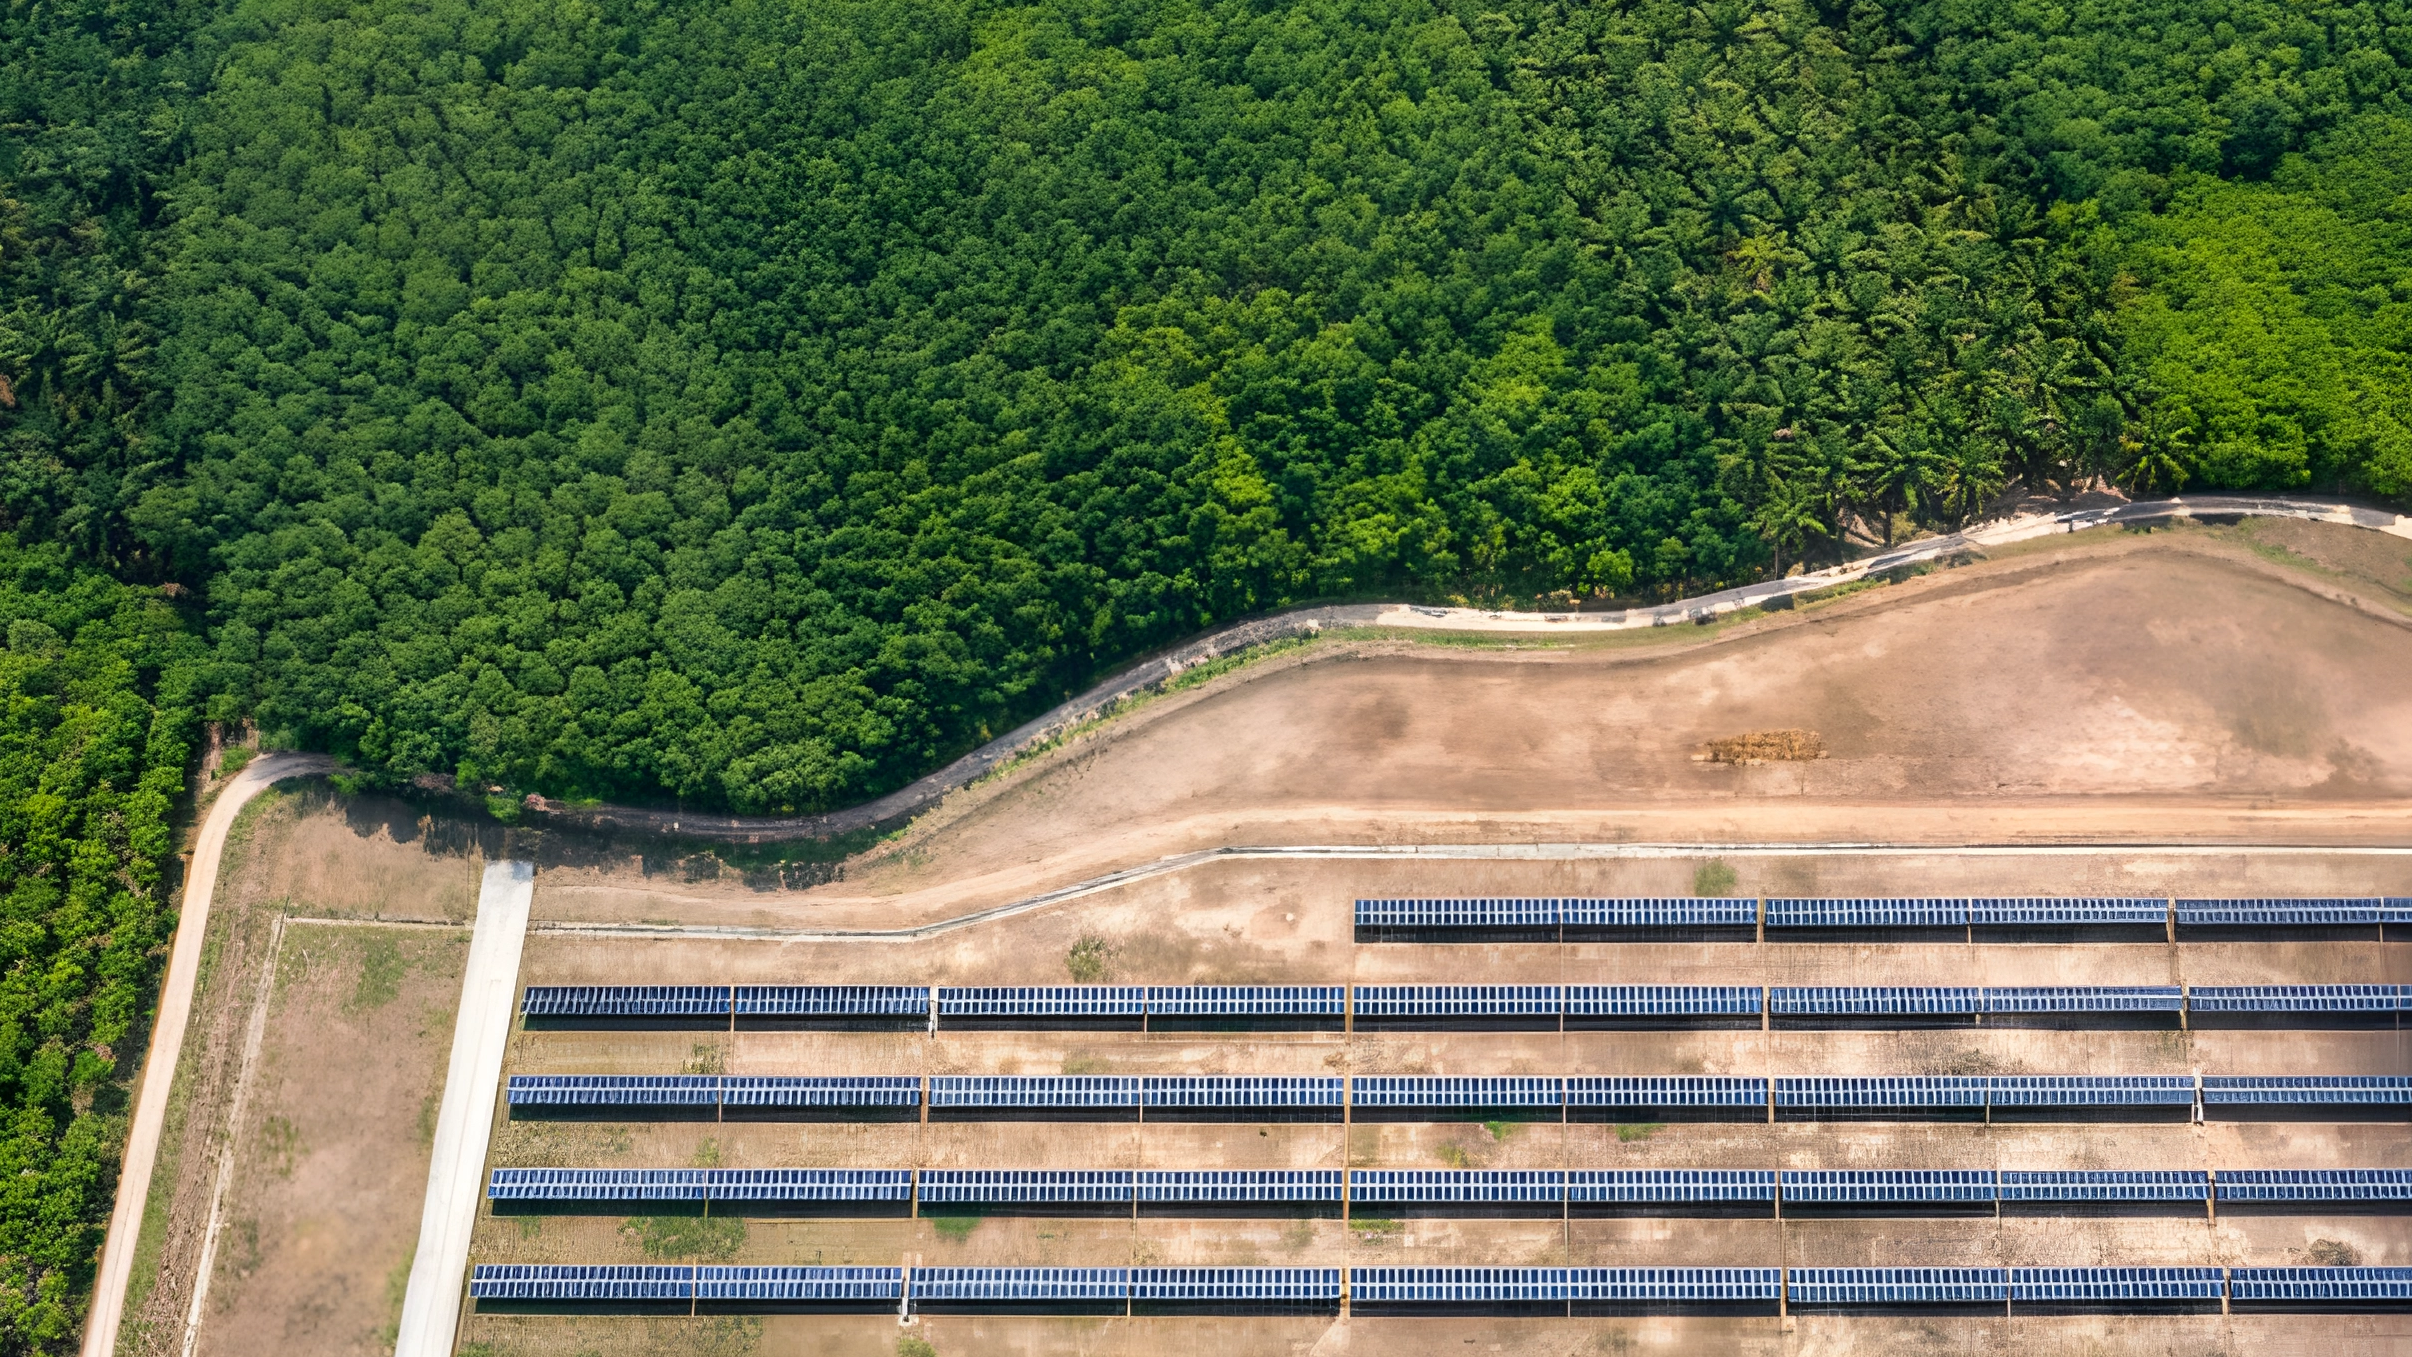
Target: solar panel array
x,y
1870,1092
763,1185
1592,1001
1262,1285
1020,1284
884,1285
1237,1185
1232,1001
832,1001
2278,913
1406,1090
1242,1090
1867,913
2104,1185
1674,1186
1034,1090
2085,999
1374,1187
2307,1090
2321,1284
1024,1187
1666,1091
1845,1187
1043,1001
1873,1286
2298,998
1853,999
1457,1001
2115,1285
625,1001
576,1282
2089,1090
2052,911
2315,1185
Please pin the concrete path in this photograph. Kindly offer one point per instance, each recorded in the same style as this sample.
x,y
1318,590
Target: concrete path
x,y
431,1308
167,1041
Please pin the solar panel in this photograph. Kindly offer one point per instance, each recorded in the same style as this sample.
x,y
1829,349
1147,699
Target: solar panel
x,y
2335,1284
1660,912
1844,1092
1838,1000
1459,1285
2092,1090
2086,999
1666,1090
1898,1285
1171,1091
2315,1185
1024,1186
1660,1000
2054,911
2396,909
597,1185
1639,1186
1515,913
1844,1187
1034,1090
581,1282
2110,1285
1246,1001
2277,913
820,1090
811,1185
1867,913
2104,1185
613,1090
1375,1187
1729,1285
833,1001
1025,1284
1318,1285
1237,1185
625,1001
799,1284
2307,1089
2296,998
1456,1001
1400,1090
1043,1001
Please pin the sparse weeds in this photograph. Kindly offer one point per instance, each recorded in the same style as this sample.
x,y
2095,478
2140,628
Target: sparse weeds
x,y
953,1229
1633,1132
714,1238
1090,960
1713,880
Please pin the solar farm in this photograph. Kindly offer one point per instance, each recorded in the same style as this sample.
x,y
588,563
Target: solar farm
x,y
1520,1116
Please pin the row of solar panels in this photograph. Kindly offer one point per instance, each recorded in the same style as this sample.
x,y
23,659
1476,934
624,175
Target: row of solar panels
x,y
1375,1286
1378,1002
1376,1186
1527,914
1001,1092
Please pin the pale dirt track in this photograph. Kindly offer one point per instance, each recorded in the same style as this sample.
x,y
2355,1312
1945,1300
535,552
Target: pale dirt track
x,y
2176,687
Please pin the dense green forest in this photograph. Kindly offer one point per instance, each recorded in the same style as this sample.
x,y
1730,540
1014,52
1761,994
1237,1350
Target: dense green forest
x,y
756,404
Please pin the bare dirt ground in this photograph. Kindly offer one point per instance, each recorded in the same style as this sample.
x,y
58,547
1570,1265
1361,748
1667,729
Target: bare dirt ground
x,y
331,1158
2189,685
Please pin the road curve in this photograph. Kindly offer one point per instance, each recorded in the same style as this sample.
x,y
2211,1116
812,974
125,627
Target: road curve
x,y
905,802
167,1041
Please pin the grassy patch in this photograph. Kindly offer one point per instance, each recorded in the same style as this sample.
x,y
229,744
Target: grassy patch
x,y
1454,1156
1376,1228
953,1229
1713,880
711,1238
1629,1132
383,966
1089,960
909,1346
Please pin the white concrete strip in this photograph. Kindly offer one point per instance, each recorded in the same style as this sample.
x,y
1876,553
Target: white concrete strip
x,y
167,1042
431,1308
1442,852
253,1035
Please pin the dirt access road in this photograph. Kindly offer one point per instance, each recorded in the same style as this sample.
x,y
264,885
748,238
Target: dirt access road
x,y
2184,686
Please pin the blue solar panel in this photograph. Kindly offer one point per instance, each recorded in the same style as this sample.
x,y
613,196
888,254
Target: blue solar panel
x,y
1841,1187
2110,1285
2315,1185
1666,1090
1043,1001
1670,1185
1025,1284
1840,1000
1246,1001
2052,911
1394,1090
614,1090
2277,913
1374,1187
1237,1185
625,1001
1869,913
1660,1000
1024,1186
2104,1185
2086,999
1898,1285
1455,913
2396,909
1241,1090
1317,1285
2296,998
1665,912
1730,1285
820,1090
2308,1089
833,1001
2334,1284
811,1185
1034,1090
578,1282
1459,1285
799,1284
597,1185
1908,1090
2092,1090
1456,1001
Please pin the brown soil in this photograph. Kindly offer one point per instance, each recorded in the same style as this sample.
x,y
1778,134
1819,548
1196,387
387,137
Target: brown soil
x,y
1768,746
326,1181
